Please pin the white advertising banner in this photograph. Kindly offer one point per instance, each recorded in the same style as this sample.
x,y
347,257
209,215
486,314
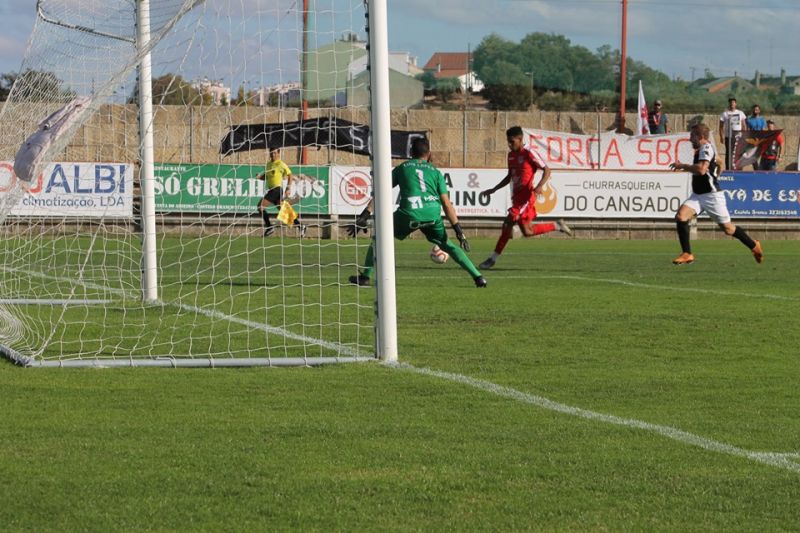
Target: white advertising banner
x,y
95,190
464,186
351,189
609,151
610,194
570,194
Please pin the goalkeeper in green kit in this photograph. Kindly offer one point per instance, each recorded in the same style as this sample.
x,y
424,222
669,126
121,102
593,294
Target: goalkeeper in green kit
x,y
423,195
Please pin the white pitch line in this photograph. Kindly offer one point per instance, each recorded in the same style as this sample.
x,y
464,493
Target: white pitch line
x,y
45,301
785,461
673,288
489,276
212,313
779,460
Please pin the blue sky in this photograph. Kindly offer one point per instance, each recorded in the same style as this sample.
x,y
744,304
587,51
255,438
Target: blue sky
x,y
670,35
674,36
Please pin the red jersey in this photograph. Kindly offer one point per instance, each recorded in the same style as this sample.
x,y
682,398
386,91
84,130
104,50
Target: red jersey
x,y
522,165
772,149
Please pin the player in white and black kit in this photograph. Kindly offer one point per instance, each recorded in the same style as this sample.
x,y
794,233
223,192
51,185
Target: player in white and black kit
x,y
706,196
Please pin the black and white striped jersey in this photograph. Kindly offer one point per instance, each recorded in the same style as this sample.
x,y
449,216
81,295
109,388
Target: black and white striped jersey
x,y
708,182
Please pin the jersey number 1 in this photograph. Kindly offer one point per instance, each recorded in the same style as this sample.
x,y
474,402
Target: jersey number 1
x,y
421,177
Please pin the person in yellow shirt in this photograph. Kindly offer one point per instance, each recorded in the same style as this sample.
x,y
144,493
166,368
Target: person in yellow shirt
x,y
273,175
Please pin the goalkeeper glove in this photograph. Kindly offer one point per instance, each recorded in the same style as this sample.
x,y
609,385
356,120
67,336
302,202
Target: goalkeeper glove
x,y
360,224
460,235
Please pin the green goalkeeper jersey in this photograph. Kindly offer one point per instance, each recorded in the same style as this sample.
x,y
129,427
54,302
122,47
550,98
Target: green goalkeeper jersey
x,y
420,184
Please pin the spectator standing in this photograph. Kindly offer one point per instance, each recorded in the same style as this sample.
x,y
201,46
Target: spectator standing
x,y
731,123
771,150
756,122
658,120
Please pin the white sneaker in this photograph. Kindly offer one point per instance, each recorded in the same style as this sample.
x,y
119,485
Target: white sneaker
x,y
563,228
489,263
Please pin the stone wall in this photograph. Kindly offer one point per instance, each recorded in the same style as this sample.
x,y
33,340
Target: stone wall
x,y
193,134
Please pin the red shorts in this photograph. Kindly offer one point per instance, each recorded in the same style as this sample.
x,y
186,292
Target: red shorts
x,y
523,209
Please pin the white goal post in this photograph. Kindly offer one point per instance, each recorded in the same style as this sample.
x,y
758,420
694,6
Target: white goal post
x,y
133,235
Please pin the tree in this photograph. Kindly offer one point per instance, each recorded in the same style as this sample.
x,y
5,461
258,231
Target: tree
x,y
172,89
428,80
502,66
35,86
6,81
570,77
446,87
241,98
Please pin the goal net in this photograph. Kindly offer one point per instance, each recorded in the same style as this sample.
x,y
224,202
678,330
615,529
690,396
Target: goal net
x,y
116,251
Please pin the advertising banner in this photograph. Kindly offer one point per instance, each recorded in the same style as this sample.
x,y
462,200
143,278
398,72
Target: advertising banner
x,y
609,194
761,194
335,133
233,188
351,189
94,190
609,151
465,185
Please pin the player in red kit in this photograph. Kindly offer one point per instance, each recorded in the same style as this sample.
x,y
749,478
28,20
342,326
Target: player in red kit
x,y
522,165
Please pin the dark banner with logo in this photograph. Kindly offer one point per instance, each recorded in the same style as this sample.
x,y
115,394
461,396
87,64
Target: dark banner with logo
x,y
334,133
762,194
751,148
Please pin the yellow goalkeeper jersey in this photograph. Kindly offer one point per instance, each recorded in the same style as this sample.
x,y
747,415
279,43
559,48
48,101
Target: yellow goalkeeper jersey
x,y
274,173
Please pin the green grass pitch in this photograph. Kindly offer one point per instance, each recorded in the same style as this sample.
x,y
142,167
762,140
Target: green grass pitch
x,y
464,437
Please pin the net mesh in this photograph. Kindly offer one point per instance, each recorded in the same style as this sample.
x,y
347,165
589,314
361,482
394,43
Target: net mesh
x,y
71,260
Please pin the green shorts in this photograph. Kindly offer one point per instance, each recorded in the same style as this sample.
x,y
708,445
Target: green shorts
x,y
404,225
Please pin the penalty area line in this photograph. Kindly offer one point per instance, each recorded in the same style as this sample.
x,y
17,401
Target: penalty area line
x,y
784,461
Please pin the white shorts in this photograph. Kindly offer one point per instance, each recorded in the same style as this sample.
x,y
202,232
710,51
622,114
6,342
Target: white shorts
x,y
713,203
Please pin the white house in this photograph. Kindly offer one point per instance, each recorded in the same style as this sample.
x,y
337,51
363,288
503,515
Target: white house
x,y
219,93
454,65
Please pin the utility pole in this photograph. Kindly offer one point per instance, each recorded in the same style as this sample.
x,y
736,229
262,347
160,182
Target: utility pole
x,y
467,86
623,73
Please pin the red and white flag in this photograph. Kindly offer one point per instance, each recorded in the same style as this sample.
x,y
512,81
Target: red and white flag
x,y
642,124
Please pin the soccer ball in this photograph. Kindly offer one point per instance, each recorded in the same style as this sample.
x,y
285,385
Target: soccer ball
x,y
438,255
